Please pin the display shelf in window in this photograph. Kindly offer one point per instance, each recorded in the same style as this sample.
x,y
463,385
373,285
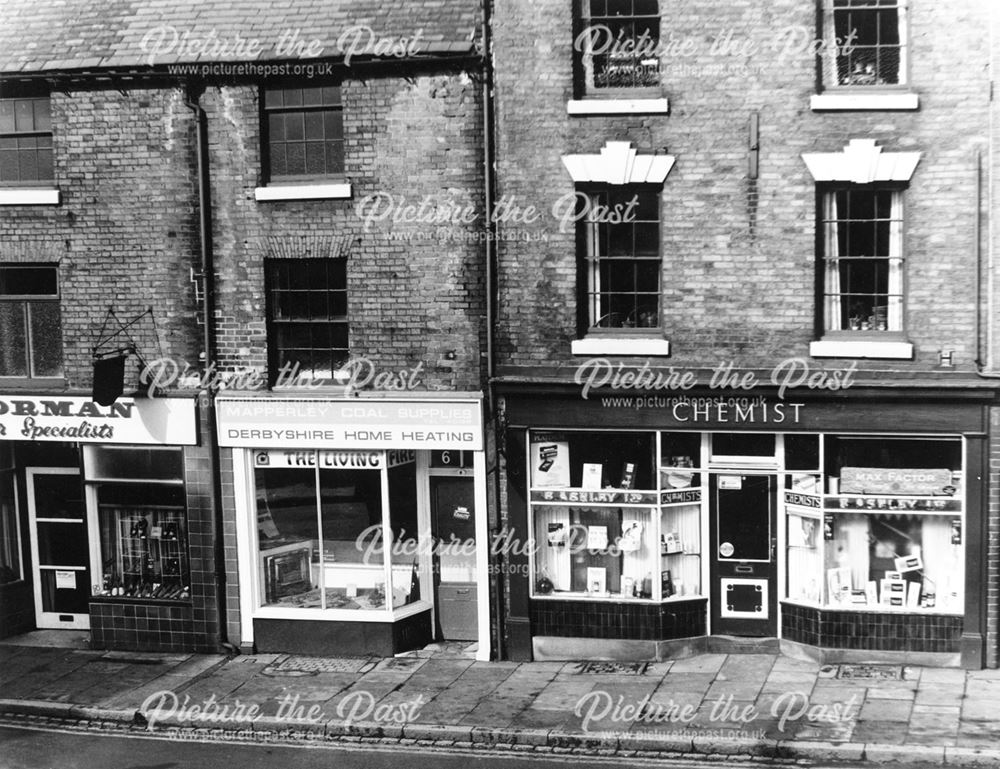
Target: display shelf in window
x,y
804,536
680,551
145,552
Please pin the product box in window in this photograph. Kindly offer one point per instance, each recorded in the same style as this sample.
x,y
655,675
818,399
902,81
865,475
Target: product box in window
x,y
549,462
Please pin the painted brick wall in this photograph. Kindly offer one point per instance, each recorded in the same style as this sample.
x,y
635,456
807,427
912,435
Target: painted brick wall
x,y
415,291
738,278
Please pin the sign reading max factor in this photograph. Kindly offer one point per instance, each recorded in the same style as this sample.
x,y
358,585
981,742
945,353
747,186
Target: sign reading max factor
x,y
153,421
349,424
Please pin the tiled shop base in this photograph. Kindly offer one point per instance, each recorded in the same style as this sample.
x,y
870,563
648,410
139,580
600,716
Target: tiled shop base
x,y
145,627
872,631
620,621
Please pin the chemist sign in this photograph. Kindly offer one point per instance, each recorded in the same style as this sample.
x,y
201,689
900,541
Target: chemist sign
x,y
352,423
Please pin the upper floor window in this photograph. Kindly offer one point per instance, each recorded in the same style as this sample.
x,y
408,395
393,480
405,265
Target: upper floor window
x,y
862,259
307,317
866,41
619,236
30,324
616,44
25,140
304,132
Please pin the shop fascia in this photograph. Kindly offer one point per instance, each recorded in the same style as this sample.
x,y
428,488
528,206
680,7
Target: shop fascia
x,y
127,421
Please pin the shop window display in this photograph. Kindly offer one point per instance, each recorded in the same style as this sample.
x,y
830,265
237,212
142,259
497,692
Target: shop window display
x,y
321,531
609,522
888,533
142,521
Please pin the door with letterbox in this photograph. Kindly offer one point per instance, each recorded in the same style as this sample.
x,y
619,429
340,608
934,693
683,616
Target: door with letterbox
x,y
453,524
60,547
743,565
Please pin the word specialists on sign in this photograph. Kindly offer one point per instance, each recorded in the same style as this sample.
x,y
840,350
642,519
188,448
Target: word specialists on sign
x,y
169,421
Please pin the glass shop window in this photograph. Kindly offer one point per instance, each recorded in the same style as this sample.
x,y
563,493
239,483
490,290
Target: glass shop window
x,y
142,521
321,523
888,534
10,542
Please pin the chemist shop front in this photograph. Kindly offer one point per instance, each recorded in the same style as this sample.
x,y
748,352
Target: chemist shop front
x,y
360,522
96,521
846,529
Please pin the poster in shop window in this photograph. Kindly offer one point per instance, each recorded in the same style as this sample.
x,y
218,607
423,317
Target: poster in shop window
x,y
549,461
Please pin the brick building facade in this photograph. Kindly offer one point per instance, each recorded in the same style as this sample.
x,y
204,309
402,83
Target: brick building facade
x,y
754,160
142,173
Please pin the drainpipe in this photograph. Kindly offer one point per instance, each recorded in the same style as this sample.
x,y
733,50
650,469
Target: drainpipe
x,y
491,226
208,347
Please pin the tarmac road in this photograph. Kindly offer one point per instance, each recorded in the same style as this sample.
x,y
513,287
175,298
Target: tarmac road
x,y
29,748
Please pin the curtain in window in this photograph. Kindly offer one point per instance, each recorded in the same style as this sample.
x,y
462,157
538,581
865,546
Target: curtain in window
x,y
943,568
594,270
829,60
895,314
831,277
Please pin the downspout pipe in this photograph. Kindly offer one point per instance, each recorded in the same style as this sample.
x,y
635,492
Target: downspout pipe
x,y
496,587
194,92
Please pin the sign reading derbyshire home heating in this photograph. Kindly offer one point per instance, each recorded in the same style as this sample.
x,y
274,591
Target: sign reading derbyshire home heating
x,y
349,423
881,480
144,421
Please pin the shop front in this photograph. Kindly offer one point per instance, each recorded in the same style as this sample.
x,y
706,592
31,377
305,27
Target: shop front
x,y
360,523
96,521
847,528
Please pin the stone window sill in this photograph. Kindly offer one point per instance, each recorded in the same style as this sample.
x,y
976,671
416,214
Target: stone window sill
x,y
303,192
848,348
621,346
29,196
836,102
617,107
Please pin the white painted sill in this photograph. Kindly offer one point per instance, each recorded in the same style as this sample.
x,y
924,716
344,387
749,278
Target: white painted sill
x,y
837,102
861,349
617,107
29,196
628,346
302,192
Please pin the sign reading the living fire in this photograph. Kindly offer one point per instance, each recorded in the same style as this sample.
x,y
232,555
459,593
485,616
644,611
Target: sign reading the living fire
x,y
166,421
355,423
881,480
357,459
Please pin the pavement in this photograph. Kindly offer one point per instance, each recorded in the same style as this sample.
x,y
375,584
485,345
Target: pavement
x,y
760,708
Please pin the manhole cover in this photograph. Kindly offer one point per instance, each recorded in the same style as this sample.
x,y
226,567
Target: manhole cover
x,y
613,668
871,672
310,666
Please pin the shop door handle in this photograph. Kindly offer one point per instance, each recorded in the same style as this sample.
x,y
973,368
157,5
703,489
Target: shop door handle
x,y
774,547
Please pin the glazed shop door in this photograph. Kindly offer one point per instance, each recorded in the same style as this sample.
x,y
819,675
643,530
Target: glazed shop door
x,y
453,522
743,567
60,550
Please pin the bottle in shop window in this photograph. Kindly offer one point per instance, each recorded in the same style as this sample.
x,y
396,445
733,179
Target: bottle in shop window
x,y
414,585
647,586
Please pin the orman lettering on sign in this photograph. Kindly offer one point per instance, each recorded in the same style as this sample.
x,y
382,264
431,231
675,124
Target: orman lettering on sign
x,y
349,424
154,421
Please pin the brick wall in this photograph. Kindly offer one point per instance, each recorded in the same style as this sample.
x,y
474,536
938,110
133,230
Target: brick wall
x,y
410,301
739,254
125,234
